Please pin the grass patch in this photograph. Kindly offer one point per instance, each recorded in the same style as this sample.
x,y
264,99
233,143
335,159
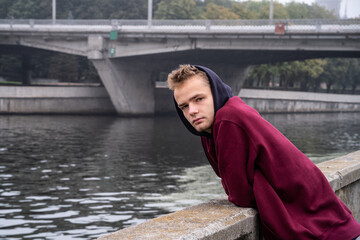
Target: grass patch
x,y
10,83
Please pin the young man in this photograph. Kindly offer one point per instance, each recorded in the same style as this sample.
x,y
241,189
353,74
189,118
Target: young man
x,y
258,166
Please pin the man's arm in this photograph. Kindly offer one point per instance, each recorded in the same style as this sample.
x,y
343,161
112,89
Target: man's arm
x,y
235,162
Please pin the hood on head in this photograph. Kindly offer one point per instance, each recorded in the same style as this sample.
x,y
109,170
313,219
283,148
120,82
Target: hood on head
x,y
220,91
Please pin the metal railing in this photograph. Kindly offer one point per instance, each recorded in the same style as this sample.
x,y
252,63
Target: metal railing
x,y
291,25
201,22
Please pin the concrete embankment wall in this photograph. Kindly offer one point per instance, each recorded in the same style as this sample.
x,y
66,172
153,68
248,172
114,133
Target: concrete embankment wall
x,y
54,100
291,101
95,100
220,219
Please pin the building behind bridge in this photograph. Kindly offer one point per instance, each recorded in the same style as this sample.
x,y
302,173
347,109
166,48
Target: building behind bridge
x,y
331,5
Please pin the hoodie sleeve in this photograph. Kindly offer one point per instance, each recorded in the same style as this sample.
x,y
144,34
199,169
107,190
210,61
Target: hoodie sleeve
x,y
234,152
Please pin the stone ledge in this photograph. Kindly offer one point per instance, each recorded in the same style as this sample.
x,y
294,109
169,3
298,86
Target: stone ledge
x,y
220,219
342,171
217,219
298,96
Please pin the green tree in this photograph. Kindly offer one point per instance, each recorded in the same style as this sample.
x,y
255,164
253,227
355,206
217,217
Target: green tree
x,y
223,3
71,68
333,71
214,11
64,68
297,10
261,75
350,76
242,12
30,9
301,10
353,74
105,9
286,74
10,67
5,7
176,9
261,9
318,12
302,73
310,70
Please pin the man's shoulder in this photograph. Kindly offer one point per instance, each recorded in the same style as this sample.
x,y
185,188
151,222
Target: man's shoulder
x,y
233,106
236,110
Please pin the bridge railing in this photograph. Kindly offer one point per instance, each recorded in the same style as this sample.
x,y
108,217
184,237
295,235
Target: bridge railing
x,y
288,25
162,22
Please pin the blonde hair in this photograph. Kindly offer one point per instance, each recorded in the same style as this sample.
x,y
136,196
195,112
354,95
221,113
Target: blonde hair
x,y
182,73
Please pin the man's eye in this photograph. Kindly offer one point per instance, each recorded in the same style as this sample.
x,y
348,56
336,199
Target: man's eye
x,y
199,99
184,107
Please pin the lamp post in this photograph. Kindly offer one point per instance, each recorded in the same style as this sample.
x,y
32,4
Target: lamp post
x,y
271,13
53,11
149,13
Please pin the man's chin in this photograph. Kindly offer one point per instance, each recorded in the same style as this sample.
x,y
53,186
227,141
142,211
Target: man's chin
x,y
201,129
198,129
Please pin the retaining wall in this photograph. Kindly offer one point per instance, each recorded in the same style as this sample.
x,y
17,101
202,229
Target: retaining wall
x,y
54,100
220,219
275,101
95,100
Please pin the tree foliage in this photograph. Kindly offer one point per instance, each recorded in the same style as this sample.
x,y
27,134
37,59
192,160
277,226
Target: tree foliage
x,y
162,9
214,11
333,74
176,9
302,10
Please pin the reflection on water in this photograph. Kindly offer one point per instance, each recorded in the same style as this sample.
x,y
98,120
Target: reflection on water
x,y
79,177
321,136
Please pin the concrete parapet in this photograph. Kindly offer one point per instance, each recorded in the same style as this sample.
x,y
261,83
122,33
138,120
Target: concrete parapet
x,y
220,219
343,174
54,100
292,101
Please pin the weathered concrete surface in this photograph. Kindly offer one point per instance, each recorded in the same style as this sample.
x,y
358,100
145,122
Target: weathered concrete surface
x,y
220,219
129,85
217,219
54,100
343,174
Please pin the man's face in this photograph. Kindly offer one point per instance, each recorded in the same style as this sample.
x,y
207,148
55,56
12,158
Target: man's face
x,y
195,99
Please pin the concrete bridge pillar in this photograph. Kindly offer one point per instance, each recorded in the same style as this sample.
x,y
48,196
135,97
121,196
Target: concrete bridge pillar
x,y
129,84
130,81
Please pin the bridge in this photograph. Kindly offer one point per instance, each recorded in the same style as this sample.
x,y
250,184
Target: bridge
x,y
130,54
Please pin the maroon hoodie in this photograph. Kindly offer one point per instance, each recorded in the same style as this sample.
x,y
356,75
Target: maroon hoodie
x,y
260,168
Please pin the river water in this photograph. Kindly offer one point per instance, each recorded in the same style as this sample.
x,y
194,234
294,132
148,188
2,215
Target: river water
x,y
80,177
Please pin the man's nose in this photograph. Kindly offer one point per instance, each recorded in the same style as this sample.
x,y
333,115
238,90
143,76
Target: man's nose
x,y
192,109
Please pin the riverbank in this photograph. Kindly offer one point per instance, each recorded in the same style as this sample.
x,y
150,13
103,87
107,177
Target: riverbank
x,y
95,100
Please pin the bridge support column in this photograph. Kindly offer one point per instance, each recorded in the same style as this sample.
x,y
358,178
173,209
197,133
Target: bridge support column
x,y
129,84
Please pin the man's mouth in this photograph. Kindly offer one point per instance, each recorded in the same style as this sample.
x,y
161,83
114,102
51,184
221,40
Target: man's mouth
x,y
197,121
